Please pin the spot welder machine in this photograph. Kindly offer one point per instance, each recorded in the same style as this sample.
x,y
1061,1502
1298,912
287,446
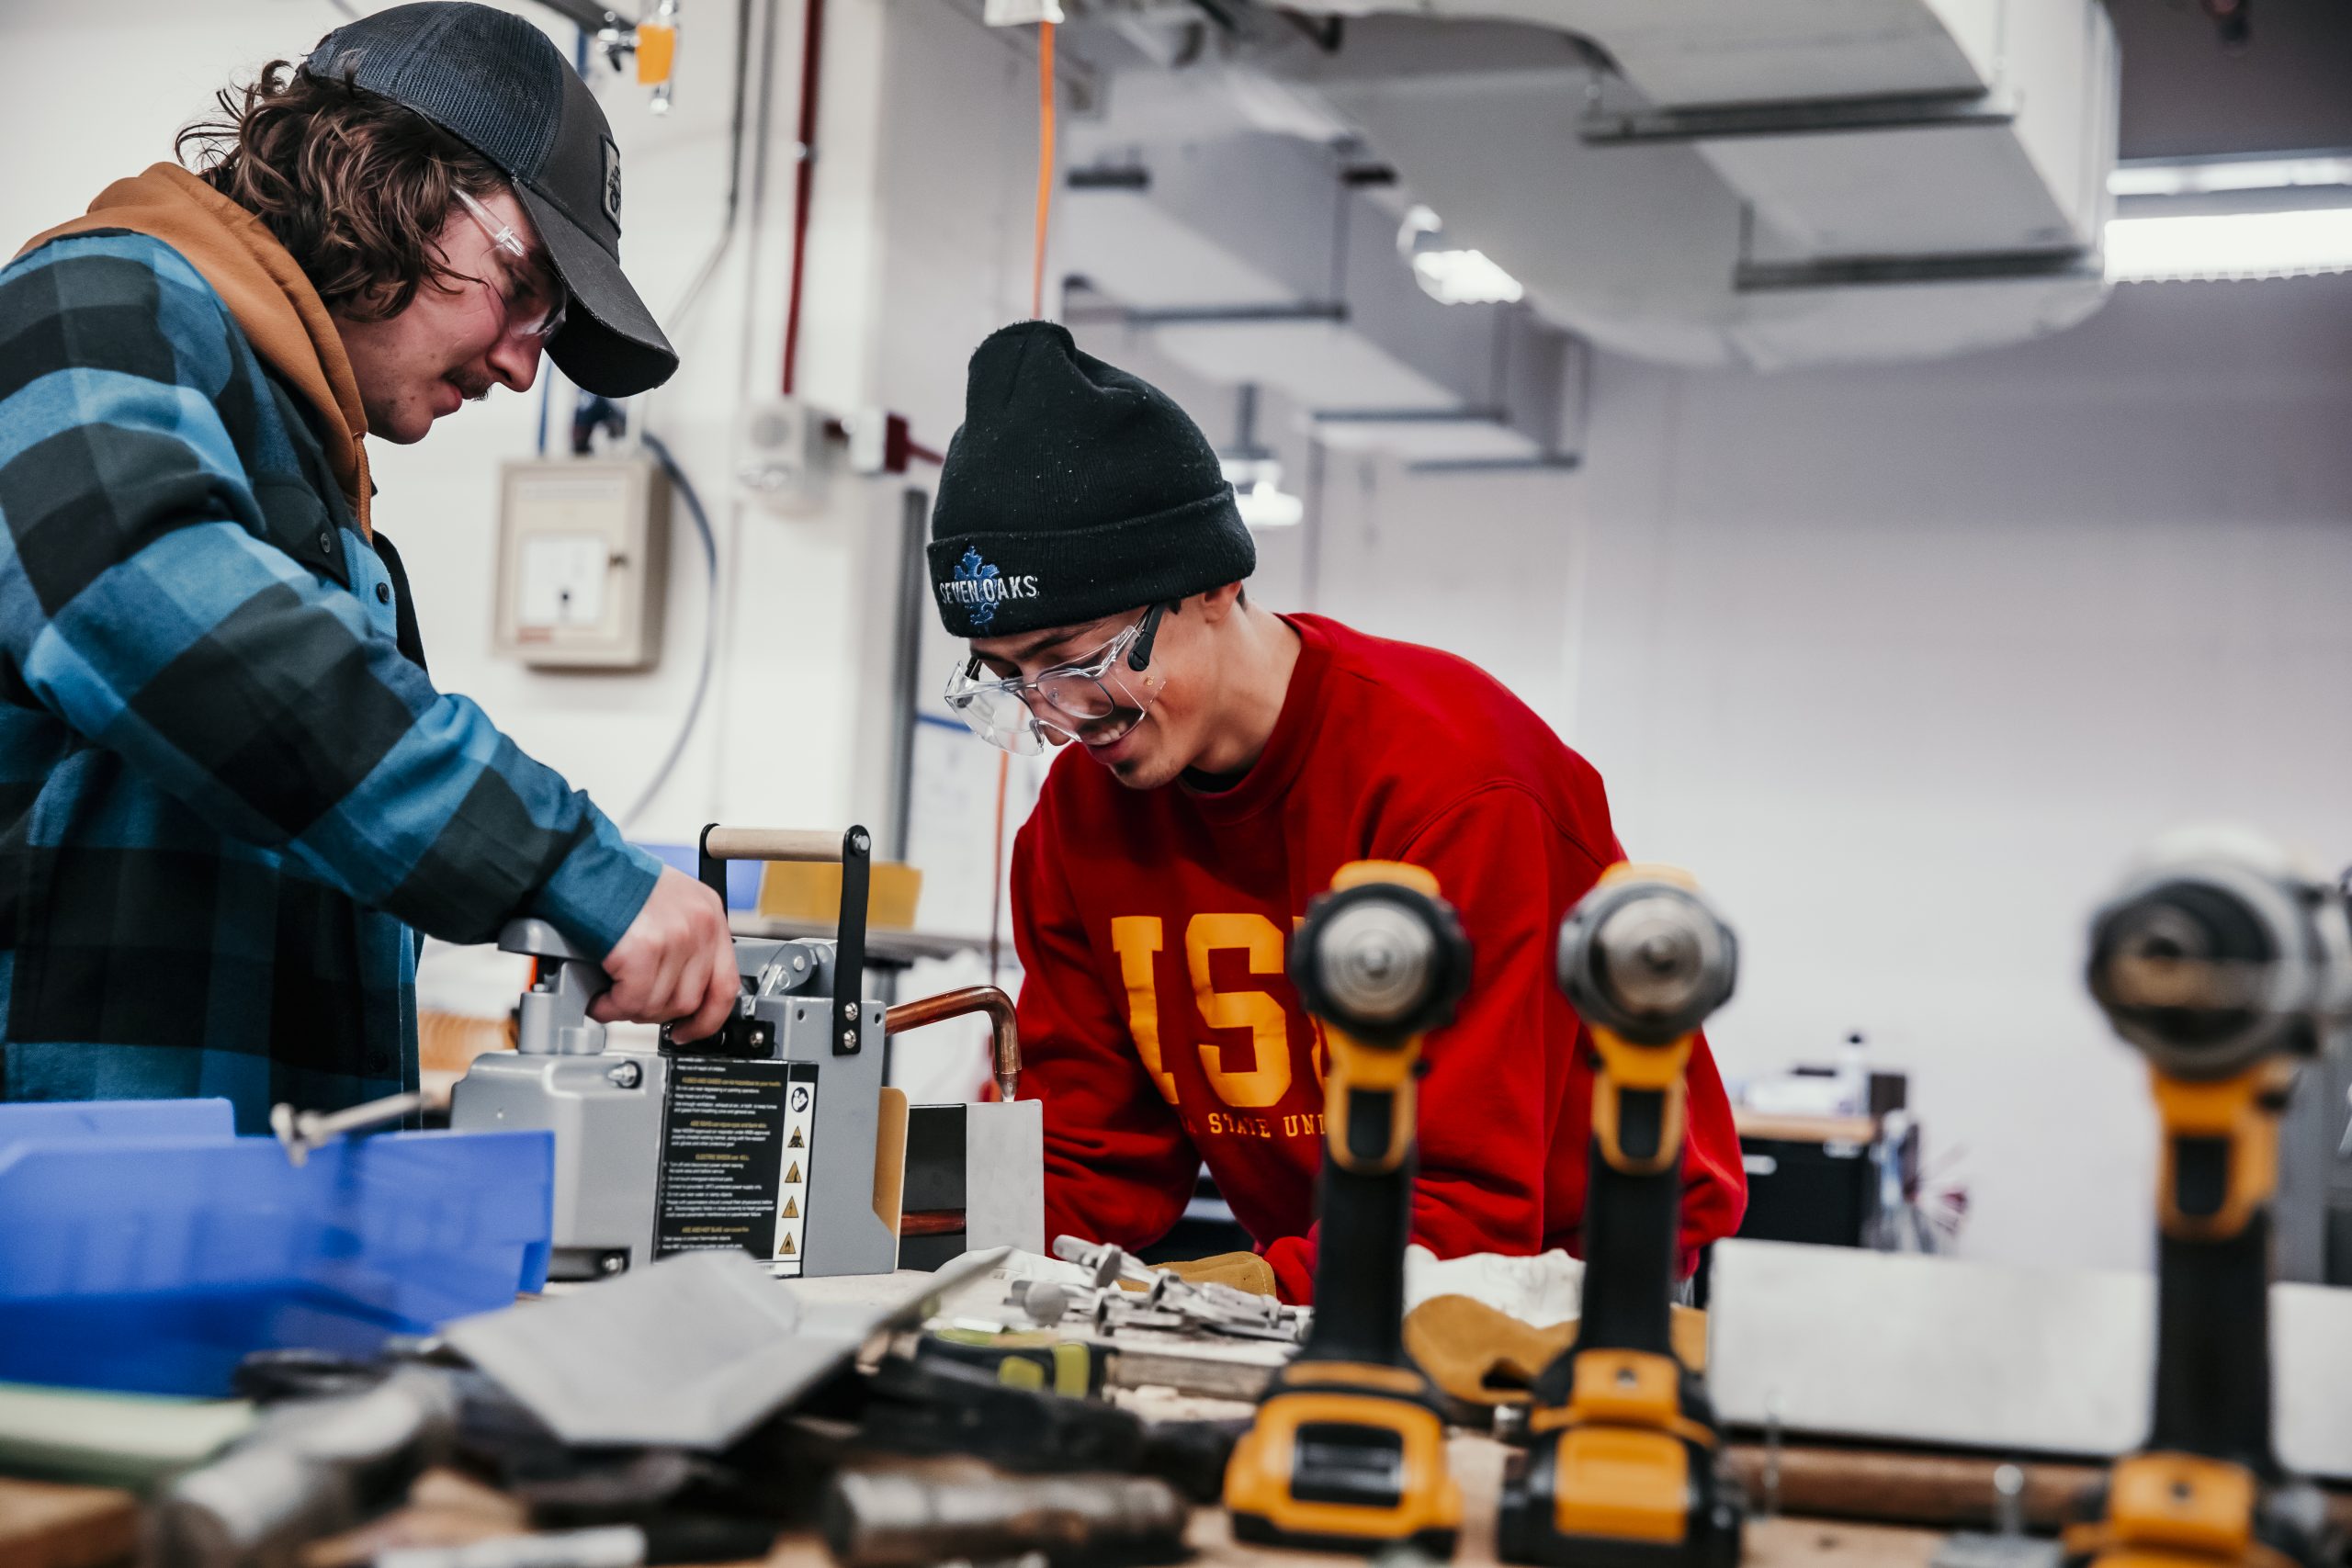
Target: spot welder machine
x,y
1348,1449
1622,1470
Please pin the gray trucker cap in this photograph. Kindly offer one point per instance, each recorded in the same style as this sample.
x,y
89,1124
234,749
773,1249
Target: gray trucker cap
x,y
493,81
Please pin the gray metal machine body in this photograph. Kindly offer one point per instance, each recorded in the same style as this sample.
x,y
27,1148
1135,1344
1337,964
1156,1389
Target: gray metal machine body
x,y
606,1107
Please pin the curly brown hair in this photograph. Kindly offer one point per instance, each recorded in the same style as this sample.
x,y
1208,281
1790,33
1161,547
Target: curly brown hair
x,y
354,185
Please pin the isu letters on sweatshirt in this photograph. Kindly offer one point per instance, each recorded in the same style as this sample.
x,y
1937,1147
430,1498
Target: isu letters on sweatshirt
x,y
1159,1026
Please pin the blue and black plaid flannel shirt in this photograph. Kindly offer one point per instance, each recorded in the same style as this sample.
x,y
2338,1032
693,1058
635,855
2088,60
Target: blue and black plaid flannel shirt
x,y
226,794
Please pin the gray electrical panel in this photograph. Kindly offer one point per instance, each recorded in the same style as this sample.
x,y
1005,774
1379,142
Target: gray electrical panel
x,y
583,562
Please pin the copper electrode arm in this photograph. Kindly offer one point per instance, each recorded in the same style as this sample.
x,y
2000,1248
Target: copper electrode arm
x,y
1004,1042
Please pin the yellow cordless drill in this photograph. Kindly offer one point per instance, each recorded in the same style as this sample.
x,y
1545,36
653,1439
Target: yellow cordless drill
x,y
1348,1451
2227,969
1620,1468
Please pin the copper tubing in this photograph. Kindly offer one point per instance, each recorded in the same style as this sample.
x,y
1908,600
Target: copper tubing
x,y
931,1222
1005,1044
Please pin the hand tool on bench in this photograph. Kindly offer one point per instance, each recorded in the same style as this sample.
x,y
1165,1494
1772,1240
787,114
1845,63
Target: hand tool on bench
x,y
1128,1293
2228,969
930,1407
879,1519
1622,1470
1348,1449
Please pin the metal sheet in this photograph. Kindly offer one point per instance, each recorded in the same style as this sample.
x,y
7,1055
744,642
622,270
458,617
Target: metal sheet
x,y
689,1353
1005,1175
1837,1342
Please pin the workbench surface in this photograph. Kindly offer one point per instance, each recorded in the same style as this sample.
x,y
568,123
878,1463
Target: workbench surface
x,y
70,1527
1479,1464
449,1509
60,1527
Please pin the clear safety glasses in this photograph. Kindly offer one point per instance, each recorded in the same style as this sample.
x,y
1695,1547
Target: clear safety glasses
x,y
534,301
1097,701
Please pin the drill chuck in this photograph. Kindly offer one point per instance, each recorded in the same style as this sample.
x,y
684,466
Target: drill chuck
x,y
1380,961
1376,961
1647,959
2216,953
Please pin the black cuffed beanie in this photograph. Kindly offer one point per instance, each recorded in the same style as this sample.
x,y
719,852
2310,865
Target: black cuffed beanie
x,y
1074,490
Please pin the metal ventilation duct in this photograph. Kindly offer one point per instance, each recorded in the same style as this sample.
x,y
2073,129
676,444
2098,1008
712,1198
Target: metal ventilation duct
x,y
1250,260
1772,182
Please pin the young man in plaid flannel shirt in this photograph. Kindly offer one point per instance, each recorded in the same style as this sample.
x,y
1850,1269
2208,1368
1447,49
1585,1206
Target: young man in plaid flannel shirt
x,y
230,795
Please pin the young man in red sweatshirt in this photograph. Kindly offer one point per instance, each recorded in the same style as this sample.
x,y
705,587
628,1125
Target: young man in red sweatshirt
x,y
1228,760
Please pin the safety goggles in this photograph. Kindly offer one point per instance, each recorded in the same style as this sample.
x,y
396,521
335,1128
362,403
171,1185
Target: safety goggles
x,y
1097,701
533,301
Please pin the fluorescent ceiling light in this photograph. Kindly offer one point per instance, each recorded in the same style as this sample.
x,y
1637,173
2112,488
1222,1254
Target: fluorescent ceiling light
x,y
1257,493
1263,507
2230,174
1451,276
1020,13
2248,244
1465,277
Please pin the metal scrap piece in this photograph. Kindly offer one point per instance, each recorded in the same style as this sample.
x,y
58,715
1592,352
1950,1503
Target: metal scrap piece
x,y
690,1353
1168,1302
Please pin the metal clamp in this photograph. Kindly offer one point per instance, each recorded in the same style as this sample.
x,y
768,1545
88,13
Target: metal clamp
x,y
1168,1301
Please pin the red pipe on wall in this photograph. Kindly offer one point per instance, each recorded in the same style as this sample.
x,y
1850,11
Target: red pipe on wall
x,y
812,33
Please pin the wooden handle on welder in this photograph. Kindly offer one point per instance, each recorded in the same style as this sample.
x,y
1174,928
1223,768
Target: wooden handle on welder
x,y
772,843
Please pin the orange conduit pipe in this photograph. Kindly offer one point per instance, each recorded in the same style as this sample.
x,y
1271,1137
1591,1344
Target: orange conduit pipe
x,y
1036,310
1045,166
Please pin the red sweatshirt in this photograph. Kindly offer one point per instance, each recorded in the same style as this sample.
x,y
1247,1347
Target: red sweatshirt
x,y
1159,1029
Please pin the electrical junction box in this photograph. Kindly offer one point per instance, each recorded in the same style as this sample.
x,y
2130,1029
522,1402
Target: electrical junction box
x,y
784,453
583,562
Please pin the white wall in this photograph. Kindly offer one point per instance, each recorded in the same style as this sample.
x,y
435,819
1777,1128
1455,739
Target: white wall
x,y
1907,663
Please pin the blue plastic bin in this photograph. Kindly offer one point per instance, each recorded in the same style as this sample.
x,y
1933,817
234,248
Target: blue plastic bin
x,y
143,1247
743,876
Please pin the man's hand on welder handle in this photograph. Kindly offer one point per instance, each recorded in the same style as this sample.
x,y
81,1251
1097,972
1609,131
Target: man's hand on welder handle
x,y
676,962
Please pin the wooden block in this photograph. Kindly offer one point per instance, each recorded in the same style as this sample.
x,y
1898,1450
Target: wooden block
x,y
799,890
446,1042
48,1525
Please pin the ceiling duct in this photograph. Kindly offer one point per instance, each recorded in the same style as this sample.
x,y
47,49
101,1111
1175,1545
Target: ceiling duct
x,y
1773,182
1249,259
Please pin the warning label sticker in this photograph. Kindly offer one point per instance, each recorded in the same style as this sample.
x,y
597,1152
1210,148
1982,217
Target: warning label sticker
x,y
791,1185
723,1125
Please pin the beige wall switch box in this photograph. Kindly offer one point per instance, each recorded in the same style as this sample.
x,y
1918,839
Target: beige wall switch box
x,y
583,562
